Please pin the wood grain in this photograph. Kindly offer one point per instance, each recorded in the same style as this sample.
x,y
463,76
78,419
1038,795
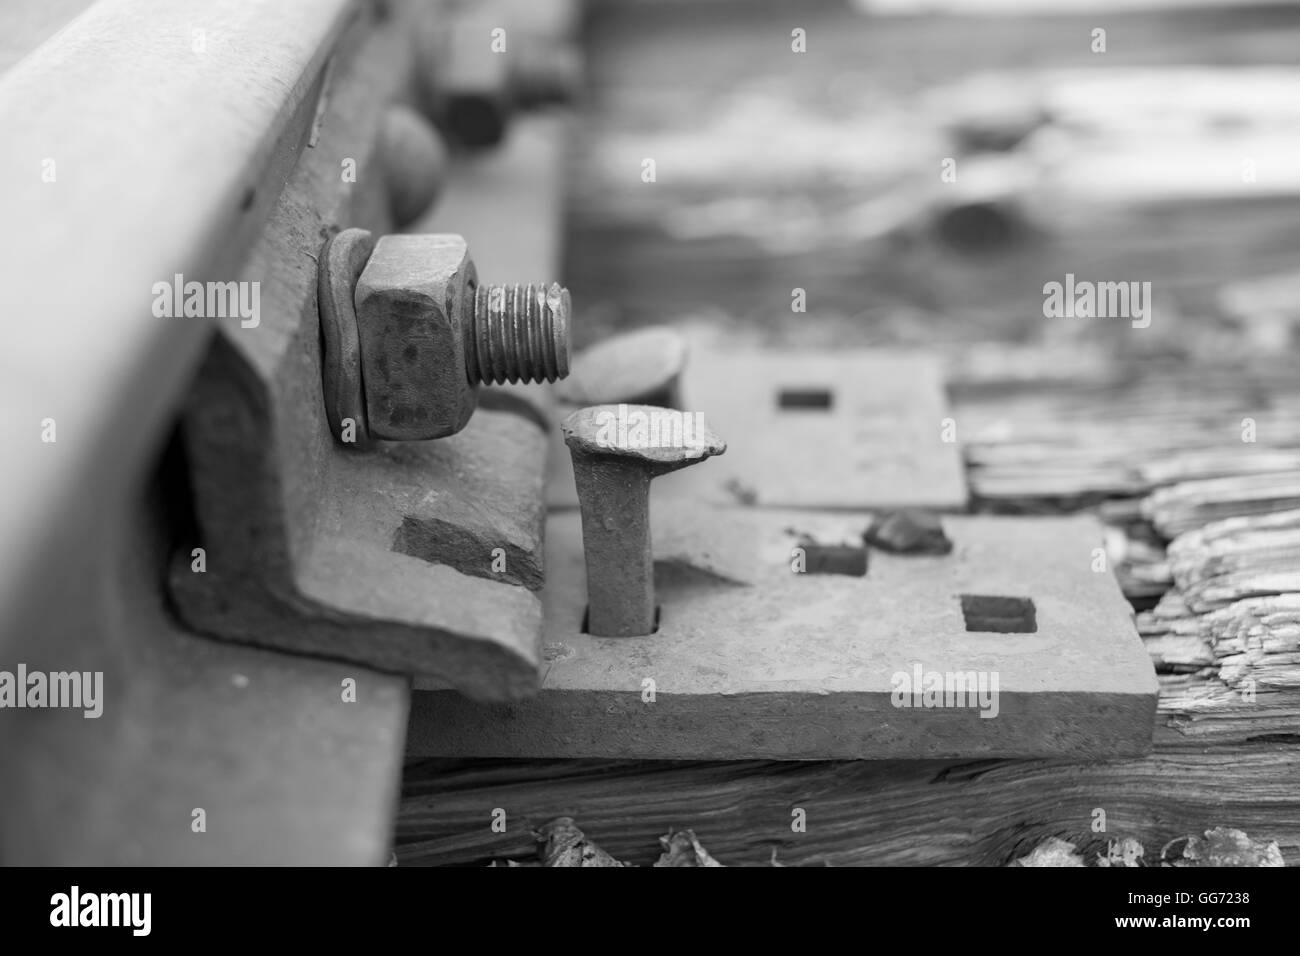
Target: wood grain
x,y
879,813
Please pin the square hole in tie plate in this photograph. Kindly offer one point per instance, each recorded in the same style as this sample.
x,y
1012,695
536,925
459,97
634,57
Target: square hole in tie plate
x,y
754,662
805,399
835,559
985,614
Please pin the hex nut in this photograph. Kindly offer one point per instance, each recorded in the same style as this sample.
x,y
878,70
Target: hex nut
x,y
410,303
470,82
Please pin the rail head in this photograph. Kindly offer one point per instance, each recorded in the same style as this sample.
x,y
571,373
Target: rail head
x,y
145,140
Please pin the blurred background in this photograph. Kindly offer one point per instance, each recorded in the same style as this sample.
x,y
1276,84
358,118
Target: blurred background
x,y
1126,141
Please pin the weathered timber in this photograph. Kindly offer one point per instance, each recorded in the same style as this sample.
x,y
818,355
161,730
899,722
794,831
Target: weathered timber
x,y
864,812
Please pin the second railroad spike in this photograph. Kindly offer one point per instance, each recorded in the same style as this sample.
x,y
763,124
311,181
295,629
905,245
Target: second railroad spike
x,y
616,451
643,367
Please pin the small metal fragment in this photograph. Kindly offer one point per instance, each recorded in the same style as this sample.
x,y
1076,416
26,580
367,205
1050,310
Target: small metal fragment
x,y
908,531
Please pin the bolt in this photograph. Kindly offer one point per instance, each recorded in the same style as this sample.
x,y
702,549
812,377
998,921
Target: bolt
x,y
616,451
427,334
475,73
519,333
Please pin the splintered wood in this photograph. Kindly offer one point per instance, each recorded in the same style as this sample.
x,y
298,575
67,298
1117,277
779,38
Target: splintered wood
x,y
1222,846
1227,635
1205,455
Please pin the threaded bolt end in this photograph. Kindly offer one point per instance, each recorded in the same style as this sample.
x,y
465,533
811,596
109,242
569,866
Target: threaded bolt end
x,y
520,333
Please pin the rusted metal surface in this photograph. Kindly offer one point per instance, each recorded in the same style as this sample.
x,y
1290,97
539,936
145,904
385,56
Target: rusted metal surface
x,y
640,368
414,558
412,299
341,262
520,333
428,334
801,666
908,531
471,502
613,471
399,566
846,429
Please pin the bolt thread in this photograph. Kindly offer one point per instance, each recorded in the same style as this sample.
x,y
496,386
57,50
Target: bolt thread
x,y
520,333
